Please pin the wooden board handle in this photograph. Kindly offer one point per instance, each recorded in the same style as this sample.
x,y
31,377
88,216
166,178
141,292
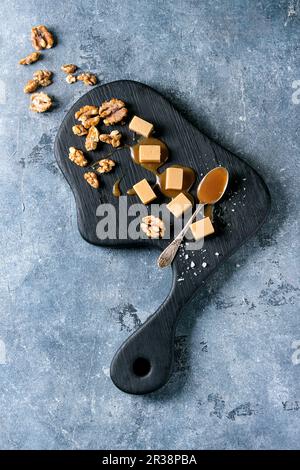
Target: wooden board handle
x,y
144,362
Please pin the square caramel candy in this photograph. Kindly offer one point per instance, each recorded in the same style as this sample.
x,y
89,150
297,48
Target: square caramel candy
x,y
174,178
140,126
202,228
179,205
149,153
144,191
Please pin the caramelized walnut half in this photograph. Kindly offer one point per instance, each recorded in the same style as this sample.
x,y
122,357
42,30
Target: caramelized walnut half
x,y
76,156
30,59
92,179
43,77
41,38
114,138
69,68
92,139
87,78
80,130
153,227
40,102
113,111
105,165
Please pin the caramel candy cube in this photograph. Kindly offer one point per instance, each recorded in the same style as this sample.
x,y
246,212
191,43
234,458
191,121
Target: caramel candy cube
x,y
140,126
149,153
179,205
202,228
144,191
174,178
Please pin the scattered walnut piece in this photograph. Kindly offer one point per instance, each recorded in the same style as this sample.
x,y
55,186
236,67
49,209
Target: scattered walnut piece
x,y
105,165
153,227
114,138
71,78
69,68
92,179
92,139
43,77
40,102
113,111
41,38
87,78
30,59
92,121
86,112
31,86
76,156
79,129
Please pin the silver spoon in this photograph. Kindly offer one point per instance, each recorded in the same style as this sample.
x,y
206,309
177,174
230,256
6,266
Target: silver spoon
x,y
210,190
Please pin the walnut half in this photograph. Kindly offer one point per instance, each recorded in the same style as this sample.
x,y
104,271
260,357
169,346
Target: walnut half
x,y
92,139
87,78
71,78
79,129
41,38
92,179
76,156
113,111
43,77
105,165
69,68
30,59
153,227
31,86
40,102
86,112
114,138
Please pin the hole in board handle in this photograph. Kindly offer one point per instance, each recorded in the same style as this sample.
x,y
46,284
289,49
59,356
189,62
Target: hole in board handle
x,y
141,367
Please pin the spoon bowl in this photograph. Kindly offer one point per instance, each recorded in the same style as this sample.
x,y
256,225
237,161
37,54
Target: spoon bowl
x,y
213,185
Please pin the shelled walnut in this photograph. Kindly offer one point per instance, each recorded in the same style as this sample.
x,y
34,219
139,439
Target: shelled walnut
x,y
30,59
71,78
41,38
113,111
90,122
92,179
43,77
76,156
31,86
40,102
105,165
92,139
153,227
79,129
87,78
69,68
114,138
86,112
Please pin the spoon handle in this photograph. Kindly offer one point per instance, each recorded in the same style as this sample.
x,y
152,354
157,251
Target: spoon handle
x,y
166,257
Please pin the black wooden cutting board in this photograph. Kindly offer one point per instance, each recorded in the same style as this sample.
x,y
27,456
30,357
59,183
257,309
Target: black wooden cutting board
x,y
144,362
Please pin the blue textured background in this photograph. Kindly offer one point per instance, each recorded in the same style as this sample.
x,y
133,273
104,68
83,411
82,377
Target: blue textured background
x,y
66,306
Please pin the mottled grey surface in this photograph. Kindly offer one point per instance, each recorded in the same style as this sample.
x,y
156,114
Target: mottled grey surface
x,y
66,306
